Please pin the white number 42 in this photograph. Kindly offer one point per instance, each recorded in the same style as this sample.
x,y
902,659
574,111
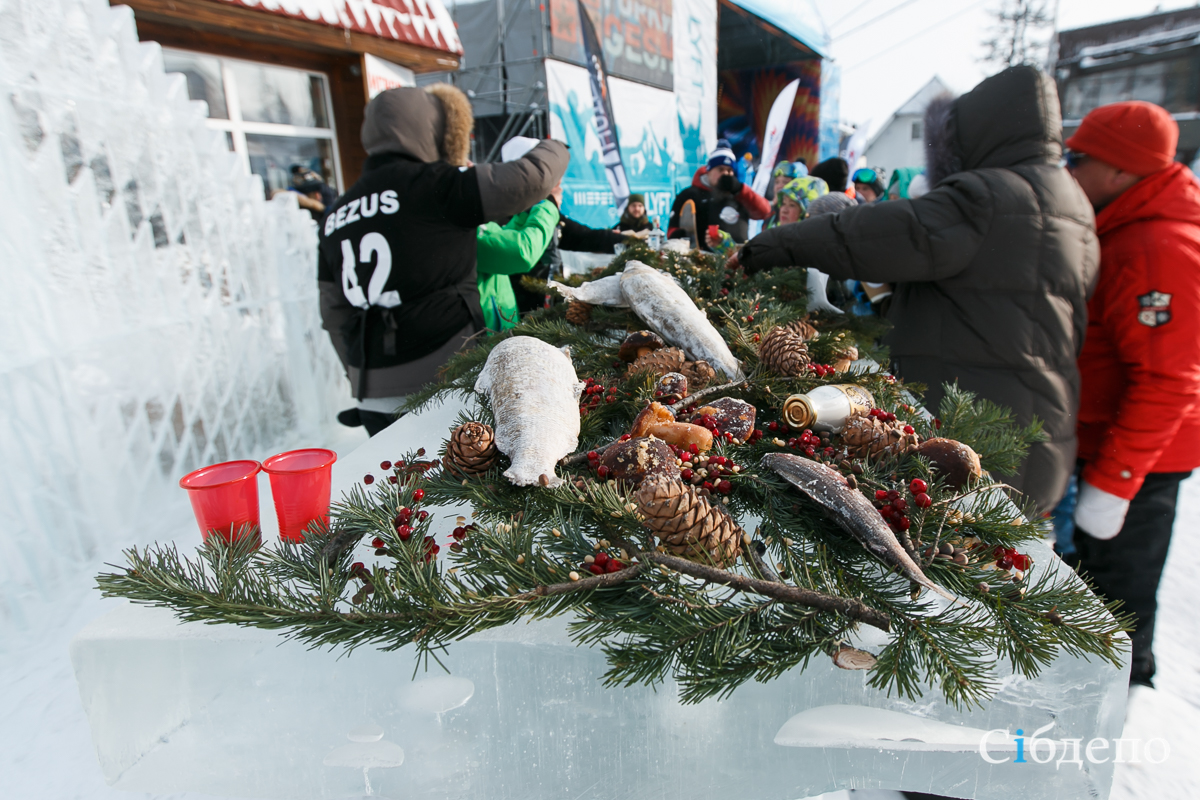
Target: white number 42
x,y
372,244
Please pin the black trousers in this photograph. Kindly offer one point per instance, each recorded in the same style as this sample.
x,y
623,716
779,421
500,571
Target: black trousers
x,y
373,421
1129,566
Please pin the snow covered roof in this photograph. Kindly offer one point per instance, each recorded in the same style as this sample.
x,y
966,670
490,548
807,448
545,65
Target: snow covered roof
x,y
425,23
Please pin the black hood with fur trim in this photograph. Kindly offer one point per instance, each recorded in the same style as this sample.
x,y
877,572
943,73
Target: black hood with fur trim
x,y
1009,119
992,267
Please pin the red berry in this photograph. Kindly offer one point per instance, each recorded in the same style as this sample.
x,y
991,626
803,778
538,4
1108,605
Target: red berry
x,y
1021,561
405,532
891,417
887,511
593,455
707,485
602,558
686,474
1004,563
903,523
724,487
922,500
916,486
423,515
893,494
614,566
404,516
773,426
695,448
603,472
459,533
368,479
358,567
899,504
393,479
377,542
418,494
909,429
937,423
810,452
881,494
625,437
385,465
456,547
398,463
595,569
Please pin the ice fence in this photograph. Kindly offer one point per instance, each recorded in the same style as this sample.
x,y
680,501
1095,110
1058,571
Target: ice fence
x,y
159,314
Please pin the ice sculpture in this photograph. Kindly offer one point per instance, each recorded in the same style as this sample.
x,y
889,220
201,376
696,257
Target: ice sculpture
x,y
524,713
159,314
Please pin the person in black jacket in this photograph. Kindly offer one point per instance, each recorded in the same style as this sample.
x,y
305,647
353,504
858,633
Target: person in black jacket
x,y
396,265
992,268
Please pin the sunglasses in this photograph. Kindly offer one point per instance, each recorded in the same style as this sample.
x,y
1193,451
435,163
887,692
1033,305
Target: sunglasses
x,y
1074,159
865,175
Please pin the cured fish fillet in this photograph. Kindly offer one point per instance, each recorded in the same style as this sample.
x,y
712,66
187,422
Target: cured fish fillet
x,y
851,511
535,399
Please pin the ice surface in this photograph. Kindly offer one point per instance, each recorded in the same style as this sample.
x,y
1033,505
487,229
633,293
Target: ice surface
x,y
159,314
241,712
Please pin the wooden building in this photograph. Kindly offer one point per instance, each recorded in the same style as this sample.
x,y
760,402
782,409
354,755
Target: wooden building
x,y
287,80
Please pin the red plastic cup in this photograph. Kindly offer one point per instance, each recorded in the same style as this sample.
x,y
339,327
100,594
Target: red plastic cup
x,y
224,497
300,486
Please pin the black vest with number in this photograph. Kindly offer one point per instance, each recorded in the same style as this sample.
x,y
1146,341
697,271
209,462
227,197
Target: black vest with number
x,y
401,242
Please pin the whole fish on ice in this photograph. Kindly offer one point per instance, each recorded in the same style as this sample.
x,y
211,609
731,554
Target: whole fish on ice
x,y
851,511
660,302
535,398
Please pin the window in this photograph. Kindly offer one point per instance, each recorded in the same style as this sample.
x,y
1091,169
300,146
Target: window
x,y
916,130
1167,83
273,117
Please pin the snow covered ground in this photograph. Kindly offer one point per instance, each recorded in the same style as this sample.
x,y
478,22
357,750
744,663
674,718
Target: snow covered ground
x,y
46,751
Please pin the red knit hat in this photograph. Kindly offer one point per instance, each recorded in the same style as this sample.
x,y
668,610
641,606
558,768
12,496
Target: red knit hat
x,y
1134,136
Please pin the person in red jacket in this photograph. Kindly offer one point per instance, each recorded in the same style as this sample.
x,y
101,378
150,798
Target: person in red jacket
x,y
720,199
1139,417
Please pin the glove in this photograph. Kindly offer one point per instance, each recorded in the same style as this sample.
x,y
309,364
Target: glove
x,y
1098,513
730,184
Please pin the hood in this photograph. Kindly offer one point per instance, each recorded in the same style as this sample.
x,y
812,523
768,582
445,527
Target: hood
x,y
699,184
1170,194
431,124
1009,119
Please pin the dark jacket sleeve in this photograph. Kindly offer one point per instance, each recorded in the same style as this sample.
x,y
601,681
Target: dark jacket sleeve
x,y
928,239
335,308
579,237
508,189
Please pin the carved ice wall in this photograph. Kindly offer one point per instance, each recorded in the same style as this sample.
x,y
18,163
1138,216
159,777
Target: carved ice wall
x,y
156,313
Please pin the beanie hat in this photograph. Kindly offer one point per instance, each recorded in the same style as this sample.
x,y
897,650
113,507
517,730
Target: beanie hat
x,y
803,191
791,169
1134,136
829,204
636,197
834,171
722,155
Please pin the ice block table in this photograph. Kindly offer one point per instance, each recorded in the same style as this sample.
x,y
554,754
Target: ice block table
x,y
523,714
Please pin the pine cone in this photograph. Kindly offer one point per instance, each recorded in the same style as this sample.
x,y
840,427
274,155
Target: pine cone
x,y
578,312
686,524
659,362
698,373
867,437
802,329
471,450
784,352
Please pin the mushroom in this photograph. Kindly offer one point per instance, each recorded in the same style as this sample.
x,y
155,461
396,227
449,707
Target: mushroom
x,y
638,344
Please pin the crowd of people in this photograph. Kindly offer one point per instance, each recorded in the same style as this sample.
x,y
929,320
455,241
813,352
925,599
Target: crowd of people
x,y
1065,287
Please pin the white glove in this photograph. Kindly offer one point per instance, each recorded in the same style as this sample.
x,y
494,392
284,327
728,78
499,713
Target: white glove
x,y
818,300
1098,513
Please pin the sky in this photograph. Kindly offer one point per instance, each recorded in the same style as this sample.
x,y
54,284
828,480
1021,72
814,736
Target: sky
x,y
887,57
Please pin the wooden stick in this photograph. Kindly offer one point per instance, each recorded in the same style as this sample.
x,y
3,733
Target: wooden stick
x,y
694,396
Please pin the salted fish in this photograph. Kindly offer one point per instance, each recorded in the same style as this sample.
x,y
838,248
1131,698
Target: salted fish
x,y
535,399
660,302
851,511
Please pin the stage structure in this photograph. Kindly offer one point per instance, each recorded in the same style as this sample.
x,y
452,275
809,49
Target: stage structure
x,y
668,62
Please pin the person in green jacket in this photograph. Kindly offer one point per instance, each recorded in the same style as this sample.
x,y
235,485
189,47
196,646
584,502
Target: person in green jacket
x,y
512,250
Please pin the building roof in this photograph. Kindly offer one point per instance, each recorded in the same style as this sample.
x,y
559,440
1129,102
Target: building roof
x,y
424,23
1148,31
915,105
797,18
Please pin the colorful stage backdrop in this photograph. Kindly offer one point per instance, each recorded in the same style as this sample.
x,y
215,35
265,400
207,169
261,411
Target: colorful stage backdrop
x,y
664,135
745,101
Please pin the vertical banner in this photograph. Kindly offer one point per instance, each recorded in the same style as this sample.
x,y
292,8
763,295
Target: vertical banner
x,y
695,86
777,120
830,135
602,113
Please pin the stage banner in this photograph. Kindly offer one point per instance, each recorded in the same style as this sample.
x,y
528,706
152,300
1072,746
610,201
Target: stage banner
x,y
695,84
830,136
647,129
746,99
777,123
602,113
636,36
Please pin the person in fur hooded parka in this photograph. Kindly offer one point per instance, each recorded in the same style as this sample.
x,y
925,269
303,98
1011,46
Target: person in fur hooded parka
x,y
396,267
993,266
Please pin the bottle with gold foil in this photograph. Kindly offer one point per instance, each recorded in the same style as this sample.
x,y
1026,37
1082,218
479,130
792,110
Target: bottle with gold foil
x,y
827,408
